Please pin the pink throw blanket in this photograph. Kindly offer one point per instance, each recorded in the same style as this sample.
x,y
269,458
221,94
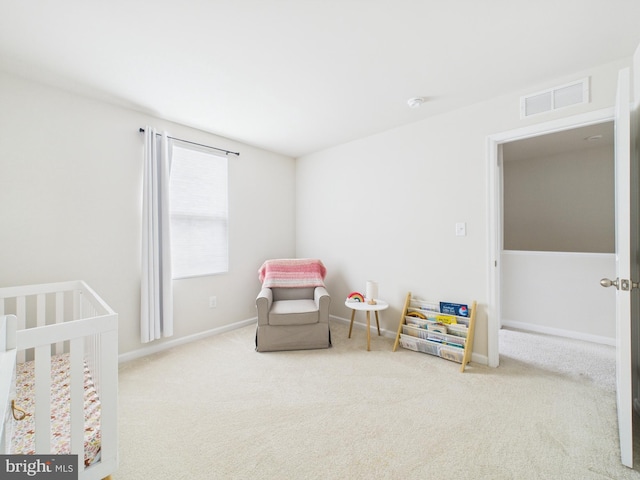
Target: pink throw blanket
x,y
290,272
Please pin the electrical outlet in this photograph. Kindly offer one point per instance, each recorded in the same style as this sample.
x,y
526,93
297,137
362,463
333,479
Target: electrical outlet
x,y
461,229
213,302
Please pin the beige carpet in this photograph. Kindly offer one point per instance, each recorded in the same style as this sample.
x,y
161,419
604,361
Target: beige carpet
x,y
216,409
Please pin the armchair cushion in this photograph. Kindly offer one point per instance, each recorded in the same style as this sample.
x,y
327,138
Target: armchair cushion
x,y
293,312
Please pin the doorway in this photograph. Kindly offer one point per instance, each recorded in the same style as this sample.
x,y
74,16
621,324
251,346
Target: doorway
x,y
558,233
496,210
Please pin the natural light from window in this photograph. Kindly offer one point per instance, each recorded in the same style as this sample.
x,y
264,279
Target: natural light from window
x,y
199,211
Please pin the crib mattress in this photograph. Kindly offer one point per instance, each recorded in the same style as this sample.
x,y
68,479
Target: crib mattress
x,y
23,441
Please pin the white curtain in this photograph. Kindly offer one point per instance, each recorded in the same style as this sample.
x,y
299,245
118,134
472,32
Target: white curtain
x,y
156,294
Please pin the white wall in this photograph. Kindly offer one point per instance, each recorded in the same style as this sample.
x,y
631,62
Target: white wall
x,y
559,293
384,207
70,200
560,203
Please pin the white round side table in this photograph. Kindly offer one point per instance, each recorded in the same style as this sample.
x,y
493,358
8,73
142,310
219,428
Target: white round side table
x,y
368,308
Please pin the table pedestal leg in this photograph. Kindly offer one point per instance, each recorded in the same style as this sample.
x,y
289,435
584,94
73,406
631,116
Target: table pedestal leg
x,y
353,314
377,323
368,330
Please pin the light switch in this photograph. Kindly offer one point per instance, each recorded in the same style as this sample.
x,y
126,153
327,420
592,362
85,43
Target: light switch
x,y
461,229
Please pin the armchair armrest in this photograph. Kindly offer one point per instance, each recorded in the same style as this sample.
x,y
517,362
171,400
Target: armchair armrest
x,y
263,305
323,302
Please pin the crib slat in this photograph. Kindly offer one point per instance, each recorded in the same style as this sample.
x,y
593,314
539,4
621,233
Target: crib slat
x,y
43,399
59,318
77,397
7,379
77,304
21,313
109,403
41,310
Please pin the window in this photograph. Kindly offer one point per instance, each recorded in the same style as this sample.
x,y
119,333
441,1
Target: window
x,y
199,211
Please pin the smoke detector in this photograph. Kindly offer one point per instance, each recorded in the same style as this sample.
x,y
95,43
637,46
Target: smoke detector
x,y
415,102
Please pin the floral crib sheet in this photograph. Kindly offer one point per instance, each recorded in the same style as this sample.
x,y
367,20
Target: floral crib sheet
x,y
23,439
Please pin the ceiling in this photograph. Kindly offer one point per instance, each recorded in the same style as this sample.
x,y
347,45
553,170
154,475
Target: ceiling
x,y
573,140
298,76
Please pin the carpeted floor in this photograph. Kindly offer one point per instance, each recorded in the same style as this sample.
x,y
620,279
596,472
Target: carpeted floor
x,y
216,409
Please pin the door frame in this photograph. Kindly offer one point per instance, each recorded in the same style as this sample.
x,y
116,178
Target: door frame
x,y
495,224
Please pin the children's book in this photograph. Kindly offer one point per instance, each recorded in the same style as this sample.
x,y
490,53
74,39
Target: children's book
x,y
446,319
458,309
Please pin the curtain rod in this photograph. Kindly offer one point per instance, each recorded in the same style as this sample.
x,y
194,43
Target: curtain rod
x,y
198,144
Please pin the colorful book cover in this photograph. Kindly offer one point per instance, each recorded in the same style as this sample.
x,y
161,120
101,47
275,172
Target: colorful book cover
x,y
458,309
446,319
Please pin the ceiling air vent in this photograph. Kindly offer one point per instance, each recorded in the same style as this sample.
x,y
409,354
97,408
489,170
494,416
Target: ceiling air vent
x,y
555,98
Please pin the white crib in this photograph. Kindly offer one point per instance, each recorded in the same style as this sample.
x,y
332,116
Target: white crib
x,y
44,324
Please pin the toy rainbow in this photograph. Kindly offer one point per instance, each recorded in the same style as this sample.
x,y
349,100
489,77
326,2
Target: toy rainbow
x,y
355,297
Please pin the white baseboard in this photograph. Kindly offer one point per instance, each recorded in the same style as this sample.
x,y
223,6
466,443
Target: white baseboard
x,y
479,359
530,327
154,348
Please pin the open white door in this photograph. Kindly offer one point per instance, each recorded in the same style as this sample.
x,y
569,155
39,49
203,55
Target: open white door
x,y
624,258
